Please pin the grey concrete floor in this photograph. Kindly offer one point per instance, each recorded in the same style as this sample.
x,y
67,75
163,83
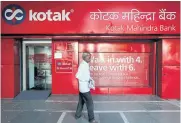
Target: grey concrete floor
x,y
108,109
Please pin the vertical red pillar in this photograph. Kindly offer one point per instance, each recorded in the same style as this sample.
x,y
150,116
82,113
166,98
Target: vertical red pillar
x,y
16,50
171,68
153,67
159,68
7,68
10,68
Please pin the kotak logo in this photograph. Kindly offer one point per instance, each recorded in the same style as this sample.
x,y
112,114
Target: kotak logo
x,y
15,14
50,16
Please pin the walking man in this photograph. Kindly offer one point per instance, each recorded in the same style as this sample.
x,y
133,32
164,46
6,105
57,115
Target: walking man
x,y
83,76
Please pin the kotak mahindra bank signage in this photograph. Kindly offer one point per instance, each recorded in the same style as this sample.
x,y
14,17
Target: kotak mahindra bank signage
x,y
97,17
15,14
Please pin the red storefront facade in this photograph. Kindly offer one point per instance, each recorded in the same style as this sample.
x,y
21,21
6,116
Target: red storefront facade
x,y
135,46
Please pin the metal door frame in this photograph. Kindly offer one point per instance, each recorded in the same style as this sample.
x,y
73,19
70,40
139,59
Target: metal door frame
x,y
25,43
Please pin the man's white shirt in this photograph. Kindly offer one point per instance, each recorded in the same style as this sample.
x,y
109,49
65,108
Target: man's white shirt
x,y
83,75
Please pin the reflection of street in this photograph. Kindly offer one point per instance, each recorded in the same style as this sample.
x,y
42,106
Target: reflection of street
x,y
41,58
108,109
39,67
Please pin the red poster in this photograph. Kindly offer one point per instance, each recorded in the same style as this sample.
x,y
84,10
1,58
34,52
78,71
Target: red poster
x,y
120,69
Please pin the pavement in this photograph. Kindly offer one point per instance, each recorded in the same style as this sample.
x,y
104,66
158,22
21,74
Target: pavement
x,y
107,108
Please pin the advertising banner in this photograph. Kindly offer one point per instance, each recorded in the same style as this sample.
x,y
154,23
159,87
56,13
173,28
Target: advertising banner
x,y
120,69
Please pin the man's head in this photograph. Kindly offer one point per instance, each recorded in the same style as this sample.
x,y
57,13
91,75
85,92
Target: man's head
x,y
86,56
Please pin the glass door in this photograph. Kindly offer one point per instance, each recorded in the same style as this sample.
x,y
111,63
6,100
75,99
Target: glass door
x,y
37,65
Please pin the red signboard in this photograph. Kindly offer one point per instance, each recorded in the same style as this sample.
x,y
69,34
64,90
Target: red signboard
x,y
118,17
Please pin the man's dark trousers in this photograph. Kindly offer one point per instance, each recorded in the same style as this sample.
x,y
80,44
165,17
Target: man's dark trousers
x,y
85,98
